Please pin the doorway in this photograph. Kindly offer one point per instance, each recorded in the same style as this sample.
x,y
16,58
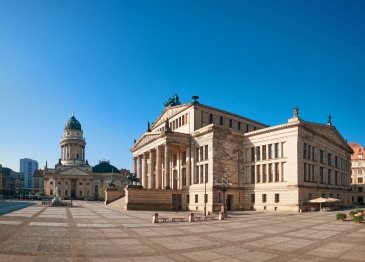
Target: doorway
x,y
176,202
229,203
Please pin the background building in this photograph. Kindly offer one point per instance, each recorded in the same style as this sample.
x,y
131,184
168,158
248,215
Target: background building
x,y
26,170
11,182
73,177
190,149
358,172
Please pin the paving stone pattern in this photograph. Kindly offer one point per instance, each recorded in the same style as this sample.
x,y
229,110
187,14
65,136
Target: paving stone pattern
x,y
93,232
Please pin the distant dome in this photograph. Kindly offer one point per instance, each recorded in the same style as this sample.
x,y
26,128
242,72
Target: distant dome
x,y
105,167
73,123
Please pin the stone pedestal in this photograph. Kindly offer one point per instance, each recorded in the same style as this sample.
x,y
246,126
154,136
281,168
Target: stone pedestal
x,y
191,217
155,218
221,216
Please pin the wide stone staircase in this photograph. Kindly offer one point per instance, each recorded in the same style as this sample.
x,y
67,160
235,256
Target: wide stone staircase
x,y
117,204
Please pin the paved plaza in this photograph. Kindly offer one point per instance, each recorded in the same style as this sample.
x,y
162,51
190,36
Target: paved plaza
x,y
93,232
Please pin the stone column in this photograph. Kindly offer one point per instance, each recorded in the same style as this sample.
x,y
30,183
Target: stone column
x,y
158,169
179,173
139,168
135,159
151,170
188,166
144,171
167,166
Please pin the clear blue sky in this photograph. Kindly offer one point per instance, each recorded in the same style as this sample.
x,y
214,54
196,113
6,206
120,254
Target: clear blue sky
x,y
116,62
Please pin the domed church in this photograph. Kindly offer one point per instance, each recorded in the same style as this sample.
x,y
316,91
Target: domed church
x,y
72,176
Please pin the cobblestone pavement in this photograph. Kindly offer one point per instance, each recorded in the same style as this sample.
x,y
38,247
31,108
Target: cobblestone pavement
x,y
93,232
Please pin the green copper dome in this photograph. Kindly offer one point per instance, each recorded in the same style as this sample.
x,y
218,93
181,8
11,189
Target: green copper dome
x,y
105,167
73,123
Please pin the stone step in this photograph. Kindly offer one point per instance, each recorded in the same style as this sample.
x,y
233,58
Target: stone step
x,y
117,204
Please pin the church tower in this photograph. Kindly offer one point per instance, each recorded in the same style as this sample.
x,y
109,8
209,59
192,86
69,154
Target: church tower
x,y
73,144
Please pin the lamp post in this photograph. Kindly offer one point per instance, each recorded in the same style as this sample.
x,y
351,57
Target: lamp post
x,y
205,196
223,186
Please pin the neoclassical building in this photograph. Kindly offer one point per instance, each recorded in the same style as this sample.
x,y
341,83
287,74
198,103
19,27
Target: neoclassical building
x,y
72,176
190,148
358,172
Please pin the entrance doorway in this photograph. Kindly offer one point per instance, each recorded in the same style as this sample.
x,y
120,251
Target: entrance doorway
x,y
73,188
360,199
176,202
96,192
229,202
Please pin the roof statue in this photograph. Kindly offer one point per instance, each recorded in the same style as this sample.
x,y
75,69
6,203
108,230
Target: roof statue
x,y
173,100
329,121
195,98
167,126
296,111
148,126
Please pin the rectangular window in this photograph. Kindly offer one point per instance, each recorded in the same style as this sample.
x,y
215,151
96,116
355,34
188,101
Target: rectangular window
x,y
264,179
196,175
329,176
321,177
258,174
305,172
359,180
51,192
183,171
247,128
252,198
201,154
321,156
252,174
336,161
258,153
51,183
276,172
329,160
239,125
277,198
270,151
210,118
206,173
305,150
59,182
263,152
174,159
187,199
230,123
197,154
80,184
206,152
336,178
252,154
221,120
264,198
183,160
359,189
201,174
196,198
277,150
270,173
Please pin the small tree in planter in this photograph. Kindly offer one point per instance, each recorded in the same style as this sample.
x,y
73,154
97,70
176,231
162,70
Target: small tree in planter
x,y
341,216
358,218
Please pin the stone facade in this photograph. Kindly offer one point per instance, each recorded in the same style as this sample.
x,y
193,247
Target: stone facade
x,y
192,147
73,177
358,172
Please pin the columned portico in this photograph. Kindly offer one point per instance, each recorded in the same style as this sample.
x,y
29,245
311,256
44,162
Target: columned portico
x,y
167,166
158,184
144,171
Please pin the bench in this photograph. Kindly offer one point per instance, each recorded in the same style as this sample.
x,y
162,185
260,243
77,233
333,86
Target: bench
x,y
164,219
179,219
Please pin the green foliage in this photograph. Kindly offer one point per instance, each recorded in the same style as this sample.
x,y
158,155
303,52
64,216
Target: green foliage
x,y
173,100
358,218
340,216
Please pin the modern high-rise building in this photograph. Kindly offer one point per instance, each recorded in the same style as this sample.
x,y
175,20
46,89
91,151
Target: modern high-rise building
x,y
26,170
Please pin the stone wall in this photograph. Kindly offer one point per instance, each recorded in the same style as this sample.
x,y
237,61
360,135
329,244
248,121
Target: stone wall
x,y
112,195
148,199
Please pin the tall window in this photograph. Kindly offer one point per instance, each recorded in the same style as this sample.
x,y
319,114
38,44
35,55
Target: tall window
x,y
183,171
305,172
277,198
221,120
321,175
321,156
196,175
258,153
239,125
201,153
252,154
197,154
196,198
264,152
230,123
336,178
270,151
210,118
206,152
305,150
359,180
201,173
252,174
329,159
276,172
206,173
252,198
270,173
264,198
258,174
277,150
329,176
264,179
184,157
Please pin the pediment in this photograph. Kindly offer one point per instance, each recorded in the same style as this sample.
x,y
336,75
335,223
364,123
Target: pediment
x,y
168,113
147,137
74,171
329,132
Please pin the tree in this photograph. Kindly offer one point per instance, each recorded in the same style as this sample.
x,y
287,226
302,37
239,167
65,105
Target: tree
x,y
173,100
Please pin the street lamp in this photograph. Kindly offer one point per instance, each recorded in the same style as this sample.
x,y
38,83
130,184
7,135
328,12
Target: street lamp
x,y
223,186
205,196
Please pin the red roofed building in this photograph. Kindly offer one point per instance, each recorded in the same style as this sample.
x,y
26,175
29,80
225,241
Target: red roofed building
x,y
358,173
